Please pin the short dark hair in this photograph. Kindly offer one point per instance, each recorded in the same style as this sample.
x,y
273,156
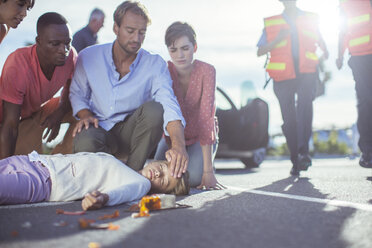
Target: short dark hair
x,y
48,19
177,30
132,6
31,2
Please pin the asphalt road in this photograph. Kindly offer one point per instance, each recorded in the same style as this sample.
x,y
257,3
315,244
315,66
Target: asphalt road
x,y
328,206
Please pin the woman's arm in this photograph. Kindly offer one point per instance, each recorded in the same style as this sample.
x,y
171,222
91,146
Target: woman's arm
x,y
209,180
208,129
207,109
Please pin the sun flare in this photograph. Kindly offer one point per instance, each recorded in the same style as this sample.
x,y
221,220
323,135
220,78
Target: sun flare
x,y
328,12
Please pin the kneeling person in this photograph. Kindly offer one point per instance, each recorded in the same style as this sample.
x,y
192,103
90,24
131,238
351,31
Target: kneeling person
x,y
37,178
30,78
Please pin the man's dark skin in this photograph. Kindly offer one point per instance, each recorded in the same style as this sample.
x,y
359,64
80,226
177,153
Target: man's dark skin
x,y
52,48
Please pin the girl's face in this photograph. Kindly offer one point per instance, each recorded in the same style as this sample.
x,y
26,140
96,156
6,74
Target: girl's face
x,y
12,12
160,177
182,52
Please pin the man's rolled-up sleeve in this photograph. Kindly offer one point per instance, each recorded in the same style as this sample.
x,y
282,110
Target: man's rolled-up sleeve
x,y
80,90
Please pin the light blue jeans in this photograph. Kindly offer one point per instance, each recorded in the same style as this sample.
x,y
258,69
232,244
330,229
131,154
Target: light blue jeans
x,y
195,167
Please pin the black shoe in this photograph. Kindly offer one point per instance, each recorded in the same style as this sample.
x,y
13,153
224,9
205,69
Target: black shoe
x,y
366,160
304,161
294,171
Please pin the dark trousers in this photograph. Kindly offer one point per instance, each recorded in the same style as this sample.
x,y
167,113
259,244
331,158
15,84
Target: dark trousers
x,y
296,104
362,73
135,137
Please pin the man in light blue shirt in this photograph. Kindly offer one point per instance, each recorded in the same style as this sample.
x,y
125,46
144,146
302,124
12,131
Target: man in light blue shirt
x,y
123,97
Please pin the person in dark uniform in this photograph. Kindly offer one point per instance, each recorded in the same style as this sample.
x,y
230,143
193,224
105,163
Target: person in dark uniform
x,y
291,40
87,36
355,35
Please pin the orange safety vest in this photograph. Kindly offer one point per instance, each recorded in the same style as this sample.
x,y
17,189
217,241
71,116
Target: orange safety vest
x,y
281,66
358,26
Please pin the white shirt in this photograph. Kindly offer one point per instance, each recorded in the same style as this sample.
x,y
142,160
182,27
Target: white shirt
x,y
74,175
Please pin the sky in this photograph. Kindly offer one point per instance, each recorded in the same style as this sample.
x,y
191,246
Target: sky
x,y
227,34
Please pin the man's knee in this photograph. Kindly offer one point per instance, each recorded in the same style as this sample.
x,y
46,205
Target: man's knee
x,y
152,113
90,140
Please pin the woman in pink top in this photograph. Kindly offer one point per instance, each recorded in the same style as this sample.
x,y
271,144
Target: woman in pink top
x,y
194,84
12,13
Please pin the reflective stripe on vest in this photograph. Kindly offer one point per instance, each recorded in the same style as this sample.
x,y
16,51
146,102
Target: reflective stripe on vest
x,y
276,66
281,65
359,41
311,56
310,34
358,19
282,44
359,26
274,22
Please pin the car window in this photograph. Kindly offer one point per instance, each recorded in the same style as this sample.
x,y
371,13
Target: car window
x,y
247,92
222,102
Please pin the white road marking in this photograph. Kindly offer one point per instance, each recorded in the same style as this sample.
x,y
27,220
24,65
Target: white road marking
x,y
336,203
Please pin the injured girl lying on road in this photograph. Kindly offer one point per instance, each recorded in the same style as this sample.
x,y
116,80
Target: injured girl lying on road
x,y
99,179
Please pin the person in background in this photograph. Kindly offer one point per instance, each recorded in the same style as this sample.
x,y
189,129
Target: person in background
x,y
12,13
87,36
194,84
36,178
123,97
291,39
30,78
355,35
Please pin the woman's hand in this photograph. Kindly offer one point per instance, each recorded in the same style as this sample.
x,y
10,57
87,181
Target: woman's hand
x,y
209,182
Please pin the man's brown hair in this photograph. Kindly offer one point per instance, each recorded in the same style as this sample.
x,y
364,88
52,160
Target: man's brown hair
x,y
132,6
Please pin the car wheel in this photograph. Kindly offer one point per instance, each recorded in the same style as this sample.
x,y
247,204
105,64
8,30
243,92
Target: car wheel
x,y
257,158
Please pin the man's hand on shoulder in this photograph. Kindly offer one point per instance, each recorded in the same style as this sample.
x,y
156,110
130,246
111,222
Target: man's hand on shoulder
x,y
94,200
